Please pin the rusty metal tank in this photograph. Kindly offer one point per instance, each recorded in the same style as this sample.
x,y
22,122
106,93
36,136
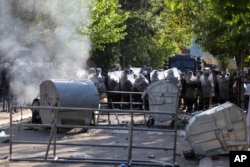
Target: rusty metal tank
x,y
218,130
68,93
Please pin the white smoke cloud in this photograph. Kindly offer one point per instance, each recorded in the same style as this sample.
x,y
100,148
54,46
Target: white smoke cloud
x,y
34,53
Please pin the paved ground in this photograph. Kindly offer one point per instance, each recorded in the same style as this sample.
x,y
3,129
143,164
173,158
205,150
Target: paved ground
x,y
113,137
96,136
219,161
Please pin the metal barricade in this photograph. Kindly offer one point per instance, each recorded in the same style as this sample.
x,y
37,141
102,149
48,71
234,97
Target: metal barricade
x,y
130,146
110,104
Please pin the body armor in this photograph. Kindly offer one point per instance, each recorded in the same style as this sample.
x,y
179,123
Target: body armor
x,y
207,86
223,86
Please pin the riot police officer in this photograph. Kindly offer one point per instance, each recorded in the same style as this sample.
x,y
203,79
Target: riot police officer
x,y
190,91
223,86
207,88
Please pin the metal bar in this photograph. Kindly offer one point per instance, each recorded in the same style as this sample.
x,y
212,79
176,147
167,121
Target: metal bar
x,y
114,127
118,114
175,137
130,135
55,134
130,141
60,109
96,145
20,124
131,128
49,143
97,161
11,131
123,103
33,125
208,130
28,142
113,107
124,92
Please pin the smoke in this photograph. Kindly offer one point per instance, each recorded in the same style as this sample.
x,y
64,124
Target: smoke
x,y
40,40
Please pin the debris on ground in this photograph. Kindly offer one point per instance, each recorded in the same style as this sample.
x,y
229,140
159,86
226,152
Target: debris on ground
x,y
190,154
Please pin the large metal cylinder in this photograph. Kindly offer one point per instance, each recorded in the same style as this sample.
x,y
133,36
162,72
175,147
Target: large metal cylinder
x,y
68,93
218,130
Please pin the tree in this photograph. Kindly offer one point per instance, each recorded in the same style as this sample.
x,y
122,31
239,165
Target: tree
x,y
135,33
106,29
222,28
154,31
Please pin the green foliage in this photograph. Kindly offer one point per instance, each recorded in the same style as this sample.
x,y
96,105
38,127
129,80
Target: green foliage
x,y
154,33
122,32
247,61
107,23
149,31
106,30
221,27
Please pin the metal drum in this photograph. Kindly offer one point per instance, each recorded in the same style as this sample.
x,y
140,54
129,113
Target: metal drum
x,y
162,96
218,130
68,93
